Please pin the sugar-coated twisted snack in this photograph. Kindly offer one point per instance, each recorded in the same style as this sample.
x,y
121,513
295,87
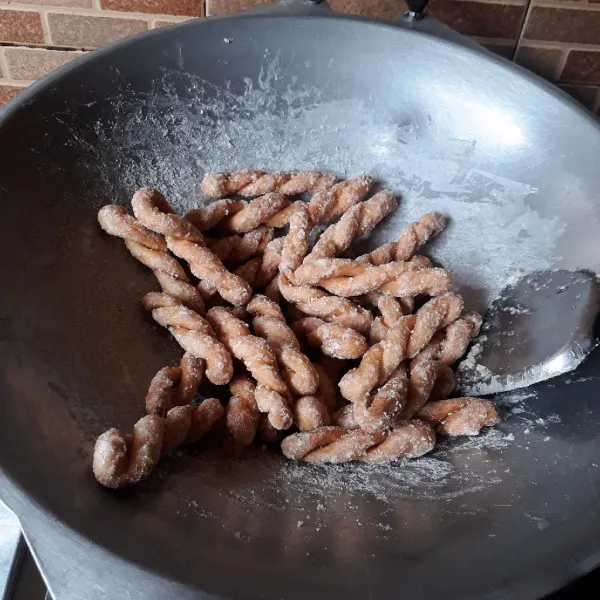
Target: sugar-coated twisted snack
x,y
242,416
174,386
256,212
261,270
272,394
431,380
249,183
212,214
327,205
121,461
357,221
318,303
435,314
193,333
405,339
391,310
337,445
332,339
310,413
240,248
460,416
345,277
381,410
379,362
450,344
150,249
269,323
186,242
296,242
410,240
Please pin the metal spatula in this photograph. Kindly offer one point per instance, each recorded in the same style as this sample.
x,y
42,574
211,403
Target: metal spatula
x,y
537,328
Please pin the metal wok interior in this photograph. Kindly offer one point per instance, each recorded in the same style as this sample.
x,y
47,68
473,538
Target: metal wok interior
x,y
510,161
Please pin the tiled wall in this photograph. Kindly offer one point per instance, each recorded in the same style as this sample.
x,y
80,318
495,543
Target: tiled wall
x,y
557,39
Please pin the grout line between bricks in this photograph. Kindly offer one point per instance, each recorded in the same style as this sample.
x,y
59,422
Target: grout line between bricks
x,y
568,6
3,65
45,27
16,83
560,64
524,23
49,47
560,45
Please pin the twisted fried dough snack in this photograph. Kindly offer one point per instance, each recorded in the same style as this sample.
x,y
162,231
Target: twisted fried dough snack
x,y
460,416
380,411
272,394
379,362
296,242
435,314
260,271
270,324
428,380
357,221
310,413
240,248
405,339
327,205
242,415
212,214
255,183
345,277
255,213
194,334
174,386
391,310
337,445
120,461
150,249
332,339
449,345
317,303
185,241
410,240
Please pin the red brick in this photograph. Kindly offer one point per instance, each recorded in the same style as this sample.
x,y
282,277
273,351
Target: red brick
x,y
192,8
29,64
225,7
79,31
22,27
68,3
564,25
543,61
582,66
158,23
7,92
382,9
479,18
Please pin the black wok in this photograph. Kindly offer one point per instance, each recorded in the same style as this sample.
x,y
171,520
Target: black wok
x,y
513,163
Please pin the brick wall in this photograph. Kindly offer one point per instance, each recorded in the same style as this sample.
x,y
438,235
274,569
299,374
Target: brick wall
x,y
558,39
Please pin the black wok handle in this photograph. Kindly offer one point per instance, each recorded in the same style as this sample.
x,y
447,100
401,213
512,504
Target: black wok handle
x,y
416,8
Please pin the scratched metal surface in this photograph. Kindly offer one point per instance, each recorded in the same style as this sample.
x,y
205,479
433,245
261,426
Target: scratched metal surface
x,y
76,355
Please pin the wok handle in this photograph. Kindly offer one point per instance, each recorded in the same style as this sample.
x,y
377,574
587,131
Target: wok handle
x,y
416,8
